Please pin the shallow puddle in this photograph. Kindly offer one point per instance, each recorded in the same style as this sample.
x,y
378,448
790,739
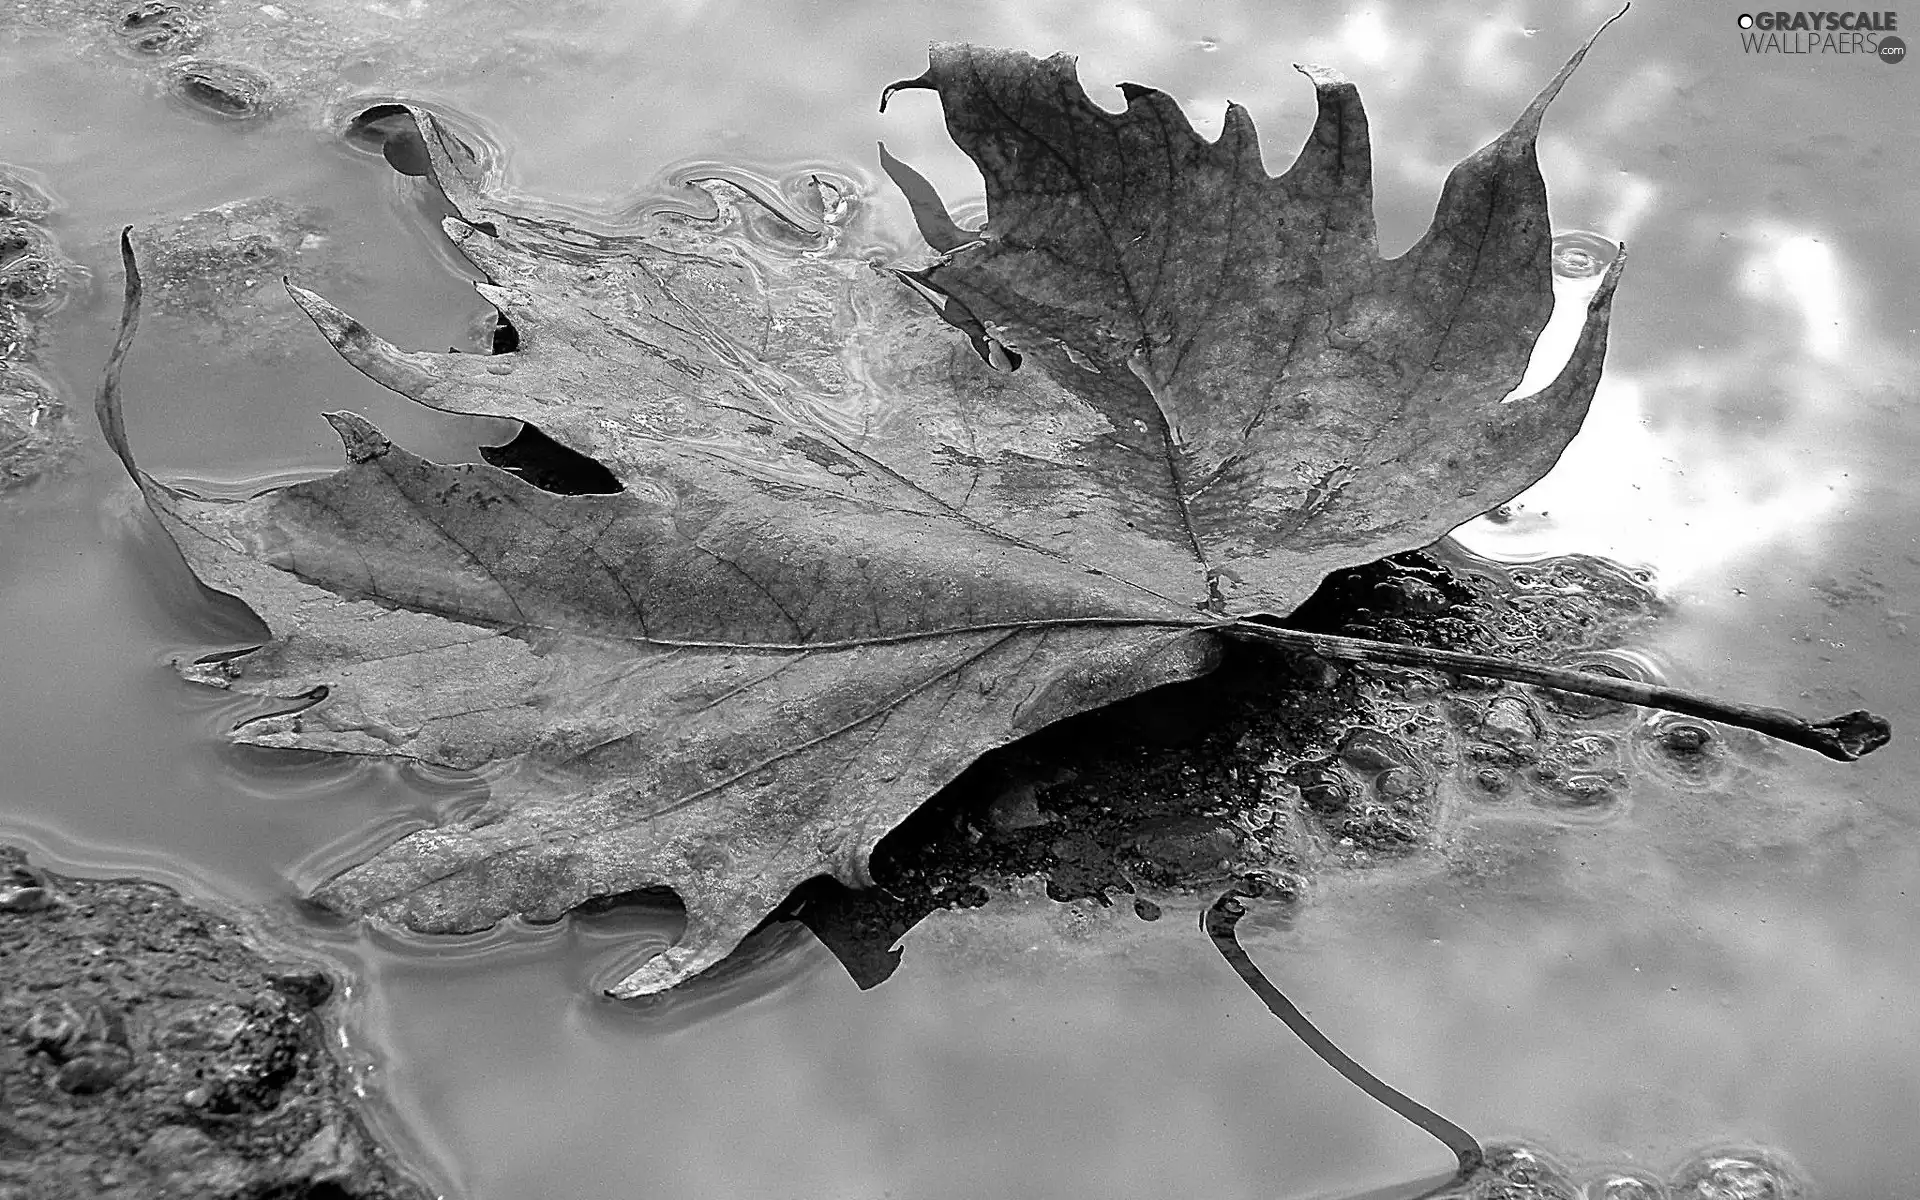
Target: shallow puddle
x,y
1727,963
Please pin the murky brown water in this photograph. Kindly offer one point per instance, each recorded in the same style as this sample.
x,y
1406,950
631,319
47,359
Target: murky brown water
x,y
1722,964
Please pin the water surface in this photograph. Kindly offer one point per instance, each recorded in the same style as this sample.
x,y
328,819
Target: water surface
x,y
1730,963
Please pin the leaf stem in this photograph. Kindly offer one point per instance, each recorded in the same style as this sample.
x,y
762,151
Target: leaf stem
x,y
1218,922
1845,737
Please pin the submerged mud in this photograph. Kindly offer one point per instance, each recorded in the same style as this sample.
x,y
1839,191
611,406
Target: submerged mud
x,y
215,275
149,1049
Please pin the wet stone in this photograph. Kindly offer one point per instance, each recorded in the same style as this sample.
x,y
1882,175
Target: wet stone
x,y
1509,721
24,890
55,1027
31,275
1686,751
308,986
90,1073
158,27
14,898
228,90
1397,783
1587,790
1327,792
1585,751
1185,847
1373,750
1683,739
1015,809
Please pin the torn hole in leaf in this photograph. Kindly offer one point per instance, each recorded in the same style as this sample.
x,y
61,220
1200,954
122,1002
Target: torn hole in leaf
x,y
998,355
490,332
506,338
550,466
390,131
650,902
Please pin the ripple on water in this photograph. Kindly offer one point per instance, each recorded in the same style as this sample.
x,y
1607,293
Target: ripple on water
x,y
1686,751
1578,254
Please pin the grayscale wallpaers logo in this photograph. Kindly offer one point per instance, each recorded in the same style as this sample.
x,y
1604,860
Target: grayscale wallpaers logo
x,y
1862,33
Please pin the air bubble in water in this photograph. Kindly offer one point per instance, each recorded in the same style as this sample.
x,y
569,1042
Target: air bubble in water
x,y
1738,1175
1514,1171
1582,255
1624,1185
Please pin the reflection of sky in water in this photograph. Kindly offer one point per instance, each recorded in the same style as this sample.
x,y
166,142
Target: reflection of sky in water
x,y
1716,965
1659,475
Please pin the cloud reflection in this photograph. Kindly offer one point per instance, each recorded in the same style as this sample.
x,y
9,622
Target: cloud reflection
x,y
1703,456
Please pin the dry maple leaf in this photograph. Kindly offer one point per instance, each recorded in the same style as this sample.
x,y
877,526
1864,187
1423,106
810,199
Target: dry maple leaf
x,y
845,557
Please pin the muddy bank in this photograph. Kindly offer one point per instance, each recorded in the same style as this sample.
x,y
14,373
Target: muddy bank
x,y
36,432
149,1050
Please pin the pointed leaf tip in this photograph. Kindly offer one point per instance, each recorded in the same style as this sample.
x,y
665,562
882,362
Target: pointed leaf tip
x,y
671,968
377,358
1322,76
358,437
336,325
1529,123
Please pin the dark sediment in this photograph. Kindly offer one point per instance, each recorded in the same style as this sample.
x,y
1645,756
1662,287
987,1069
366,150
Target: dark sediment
x,y
1278,766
